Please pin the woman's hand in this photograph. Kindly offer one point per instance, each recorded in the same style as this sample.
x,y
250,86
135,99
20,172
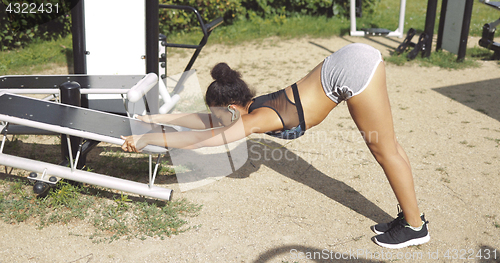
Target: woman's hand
x,y
134,143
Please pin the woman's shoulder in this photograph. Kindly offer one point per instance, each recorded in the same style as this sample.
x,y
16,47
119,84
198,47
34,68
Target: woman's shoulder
x,y
262,120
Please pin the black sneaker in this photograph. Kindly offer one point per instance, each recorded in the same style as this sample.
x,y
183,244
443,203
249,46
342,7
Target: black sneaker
x,y
384,227
401,235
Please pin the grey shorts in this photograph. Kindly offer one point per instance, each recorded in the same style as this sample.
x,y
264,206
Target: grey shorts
x,y
348,71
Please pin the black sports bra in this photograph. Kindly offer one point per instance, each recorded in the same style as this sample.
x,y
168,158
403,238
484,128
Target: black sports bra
x,y
290,114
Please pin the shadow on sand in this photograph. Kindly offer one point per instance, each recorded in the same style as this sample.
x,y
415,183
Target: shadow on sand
x,y
481,96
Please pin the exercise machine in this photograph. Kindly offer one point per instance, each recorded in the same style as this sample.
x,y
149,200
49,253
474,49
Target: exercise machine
x,y
424,44
170,99
94,126
454,25
399,32
487,39
453,30
111,51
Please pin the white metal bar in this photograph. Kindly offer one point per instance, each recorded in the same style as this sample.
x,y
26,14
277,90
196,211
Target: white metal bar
x,y
44,173
354,32
3,125
401,26
399,32
168,101
150,168
56,91
70,153
3,142
155,172
142,87
86,177
77,133
165,108
125,105
78,155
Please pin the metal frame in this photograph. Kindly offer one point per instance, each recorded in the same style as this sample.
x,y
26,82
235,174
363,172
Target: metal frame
x,y
51,173
45,172
399,32
488,37
205,28
464,28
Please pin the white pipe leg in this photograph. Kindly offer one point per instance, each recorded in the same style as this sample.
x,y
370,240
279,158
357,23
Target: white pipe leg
x,y
402,10
399,32
86,177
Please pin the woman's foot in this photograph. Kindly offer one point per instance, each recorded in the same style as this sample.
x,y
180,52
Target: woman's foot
x,y
400,234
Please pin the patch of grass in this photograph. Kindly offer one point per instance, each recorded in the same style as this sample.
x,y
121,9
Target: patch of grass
x,y
38,56
113,217
245,30
442,59
446,180
467,144
492,217
385,15
442,170
494,140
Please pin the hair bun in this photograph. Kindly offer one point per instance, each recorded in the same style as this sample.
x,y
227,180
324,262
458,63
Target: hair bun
x,y
223,74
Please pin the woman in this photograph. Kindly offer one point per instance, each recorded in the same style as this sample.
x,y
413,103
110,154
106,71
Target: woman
x,y
356,74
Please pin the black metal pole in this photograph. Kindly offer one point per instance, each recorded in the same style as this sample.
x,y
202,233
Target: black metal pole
x,y
430,21
79,47
439,43
78,31
464,34
152,50
70,94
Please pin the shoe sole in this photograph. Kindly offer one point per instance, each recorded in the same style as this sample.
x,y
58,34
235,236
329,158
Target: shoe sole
x,y
413,242
375,230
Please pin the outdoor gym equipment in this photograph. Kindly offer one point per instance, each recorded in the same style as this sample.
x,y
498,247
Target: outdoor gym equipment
x,y
170,99
487,39
111,51
424,43
378,31
94,126
454,23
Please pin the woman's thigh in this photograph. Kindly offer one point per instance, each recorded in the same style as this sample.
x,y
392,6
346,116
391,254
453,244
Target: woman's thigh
x,y
371,111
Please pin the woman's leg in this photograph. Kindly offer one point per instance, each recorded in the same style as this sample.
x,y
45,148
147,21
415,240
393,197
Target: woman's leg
x,y
371,112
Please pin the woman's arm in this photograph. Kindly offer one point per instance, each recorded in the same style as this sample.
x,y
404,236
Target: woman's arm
x,y
187,139
244,126
189,120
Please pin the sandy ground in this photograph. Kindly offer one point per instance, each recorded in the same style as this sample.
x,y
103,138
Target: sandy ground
x,y
320,201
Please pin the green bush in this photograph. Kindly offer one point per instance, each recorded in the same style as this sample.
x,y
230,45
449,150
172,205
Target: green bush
x,y
21,22
267,8
172,20
274,10
18,29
